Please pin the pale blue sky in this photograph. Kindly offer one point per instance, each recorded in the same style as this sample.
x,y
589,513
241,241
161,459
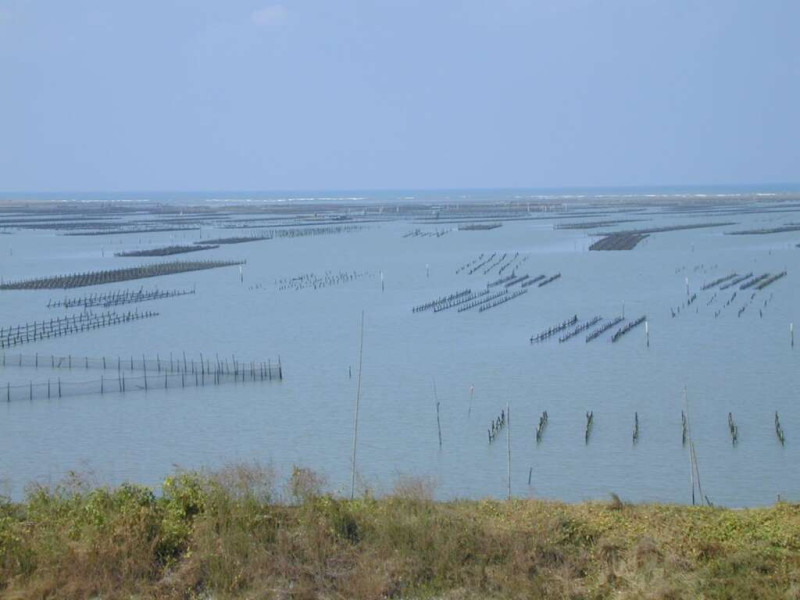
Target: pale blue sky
x,y
343,94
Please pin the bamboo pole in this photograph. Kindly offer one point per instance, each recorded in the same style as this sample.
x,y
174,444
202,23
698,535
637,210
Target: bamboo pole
x,y
508,440
355,416
438,420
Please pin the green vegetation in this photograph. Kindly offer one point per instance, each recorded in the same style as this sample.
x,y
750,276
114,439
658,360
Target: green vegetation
x,y
229,534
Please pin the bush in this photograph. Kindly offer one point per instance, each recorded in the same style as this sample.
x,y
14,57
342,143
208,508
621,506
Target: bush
x,y
223,535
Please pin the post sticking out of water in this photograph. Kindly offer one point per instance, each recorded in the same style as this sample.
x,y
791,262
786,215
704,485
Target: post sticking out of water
x,y
471,392
508,440
382,287
241,274
355,417
791,333
687,286
647,333
427,270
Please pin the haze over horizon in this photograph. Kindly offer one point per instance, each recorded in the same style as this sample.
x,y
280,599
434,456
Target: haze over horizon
x,y
401,94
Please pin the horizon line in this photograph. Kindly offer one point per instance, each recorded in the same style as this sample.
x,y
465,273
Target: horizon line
x,y
787,186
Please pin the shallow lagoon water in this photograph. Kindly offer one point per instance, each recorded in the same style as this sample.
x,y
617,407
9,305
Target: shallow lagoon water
x,y
742,365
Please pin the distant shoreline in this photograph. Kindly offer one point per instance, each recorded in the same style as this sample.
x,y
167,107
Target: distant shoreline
x,y
383,204
370,197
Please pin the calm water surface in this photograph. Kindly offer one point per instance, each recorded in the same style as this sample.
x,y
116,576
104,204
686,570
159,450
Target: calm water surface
x,y
743,365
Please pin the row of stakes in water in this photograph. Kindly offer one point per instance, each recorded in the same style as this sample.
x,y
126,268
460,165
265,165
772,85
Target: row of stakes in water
x,y
734,429
505,263
496,264
716,282
444,301
480,265
62,326
513,279
116,298
315,281
505,297
469,265
551,331
578,328
603,328
467,299
541,427
492,262
90,278
501,281
744,282
512,263
779,429
496,426
748,281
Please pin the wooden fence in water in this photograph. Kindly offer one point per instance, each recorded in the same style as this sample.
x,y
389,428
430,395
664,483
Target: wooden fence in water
x,y
16,335
133,374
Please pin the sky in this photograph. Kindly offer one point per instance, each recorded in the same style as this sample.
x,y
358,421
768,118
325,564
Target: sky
x,y
112,95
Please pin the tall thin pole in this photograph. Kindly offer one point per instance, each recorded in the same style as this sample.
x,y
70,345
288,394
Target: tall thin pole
x,y
355,416
691,457
696,468
438,420
508,440
692,454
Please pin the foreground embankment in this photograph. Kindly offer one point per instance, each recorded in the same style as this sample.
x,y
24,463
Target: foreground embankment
x,y
230,534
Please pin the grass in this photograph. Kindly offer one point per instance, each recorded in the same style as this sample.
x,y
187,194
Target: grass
x,y
231,534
